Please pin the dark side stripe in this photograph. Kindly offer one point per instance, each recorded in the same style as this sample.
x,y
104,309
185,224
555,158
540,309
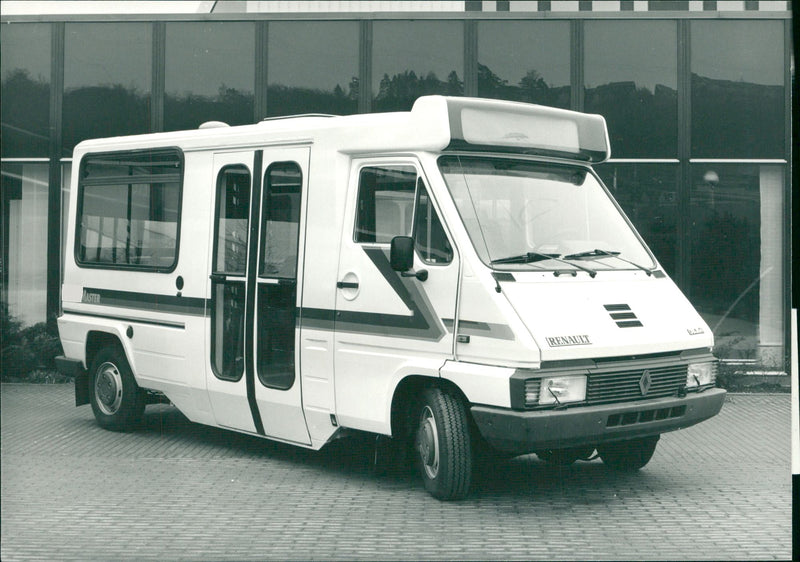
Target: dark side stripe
x,y
174,304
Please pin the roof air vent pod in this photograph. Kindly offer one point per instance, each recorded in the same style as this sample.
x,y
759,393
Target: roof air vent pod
x,y
213,125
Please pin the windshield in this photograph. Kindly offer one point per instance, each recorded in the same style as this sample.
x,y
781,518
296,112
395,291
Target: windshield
x,y
523,215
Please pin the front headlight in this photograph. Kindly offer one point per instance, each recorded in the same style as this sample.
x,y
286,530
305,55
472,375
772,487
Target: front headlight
x,y
701,374
557,390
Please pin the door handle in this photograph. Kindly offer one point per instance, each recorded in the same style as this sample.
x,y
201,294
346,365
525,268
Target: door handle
x,y
347,284
218,277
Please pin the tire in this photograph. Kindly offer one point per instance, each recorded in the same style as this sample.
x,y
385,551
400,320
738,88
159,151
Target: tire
x,y
628,456
565,457
117,401
443,447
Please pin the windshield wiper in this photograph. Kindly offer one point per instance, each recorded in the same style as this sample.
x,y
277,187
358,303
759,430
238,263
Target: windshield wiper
x,y
530,257
590,254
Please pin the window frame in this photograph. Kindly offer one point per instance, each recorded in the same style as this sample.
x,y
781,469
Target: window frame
x,y
173,150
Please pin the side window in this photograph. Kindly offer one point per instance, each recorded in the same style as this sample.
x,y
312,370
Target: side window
x,y
430,239
277,302
385,203
128,210
233,208
230,258
281,221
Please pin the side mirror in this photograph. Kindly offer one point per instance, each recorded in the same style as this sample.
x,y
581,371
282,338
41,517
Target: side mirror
x,y
401,253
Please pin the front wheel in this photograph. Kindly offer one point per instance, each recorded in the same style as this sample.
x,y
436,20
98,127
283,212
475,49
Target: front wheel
x,y
443,445
117,401
628,456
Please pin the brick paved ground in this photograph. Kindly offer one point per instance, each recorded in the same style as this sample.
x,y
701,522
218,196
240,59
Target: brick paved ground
x,y
175,490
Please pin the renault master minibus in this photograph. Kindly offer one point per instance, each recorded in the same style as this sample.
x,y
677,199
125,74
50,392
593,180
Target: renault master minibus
x,y
456,278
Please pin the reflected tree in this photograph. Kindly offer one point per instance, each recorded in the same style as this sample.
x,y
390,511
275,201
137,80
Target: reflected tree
x,y
399,92
25,114
104,111
532,88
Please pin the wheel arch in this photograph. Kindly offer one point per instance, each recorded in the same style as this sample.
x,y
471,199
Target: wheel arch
x,y
97,340
408,391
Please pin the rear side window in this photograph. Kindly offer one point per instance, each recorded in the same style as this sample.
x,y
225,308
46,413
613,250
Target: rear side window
x,y
128,210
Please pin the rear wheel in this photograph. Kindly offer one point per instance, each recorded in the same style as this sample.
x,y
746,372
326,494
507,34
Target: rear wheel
x,y
117,401
443,445
627,456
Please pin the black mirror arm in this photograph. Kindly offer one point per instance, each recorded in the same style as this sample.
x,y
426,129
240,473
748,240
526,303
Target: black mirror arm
x,y
421,275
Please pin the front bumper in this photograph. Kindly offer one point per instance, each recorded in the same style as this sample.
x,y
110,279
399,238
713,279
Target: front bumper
x,y
523,432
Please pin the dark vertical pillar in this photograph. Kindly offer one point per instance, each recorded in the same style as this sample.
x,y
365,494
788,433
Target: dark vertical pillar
x,y
576,64
54,179
789,203
470,58
158,78
365,66
261,99
683,251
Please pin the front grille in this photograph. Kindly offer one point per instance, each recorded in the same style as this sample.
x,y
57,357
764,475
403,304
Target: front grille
x,y
630,418
622,386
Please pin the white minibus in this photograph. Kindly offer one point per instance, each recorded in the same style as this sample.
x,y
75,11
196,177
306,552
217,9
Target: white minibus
x,y
456,278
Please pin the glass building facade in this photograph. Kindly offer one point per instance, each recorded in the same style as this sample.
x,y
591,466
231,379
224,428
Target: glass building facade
x,y
698,106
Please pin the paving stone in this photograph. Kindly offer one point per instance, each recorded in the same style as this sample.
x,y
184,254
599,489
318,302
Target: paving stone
x,y
180,491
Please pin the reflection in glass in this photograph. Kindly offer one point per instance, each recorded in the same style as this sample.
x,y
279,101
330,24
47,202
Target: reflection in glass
x,y
525,61
525,215
128,210
737,256
107,75
313,68
233,209
227,330
631,78
430,239
413,59
281,221
24,224
210,74
277,308
385,203
737,89
647,194
25,110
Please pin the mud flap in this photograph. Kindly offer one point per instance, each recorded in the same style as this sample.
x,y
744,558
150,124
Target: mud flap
x,y
74,368
81,388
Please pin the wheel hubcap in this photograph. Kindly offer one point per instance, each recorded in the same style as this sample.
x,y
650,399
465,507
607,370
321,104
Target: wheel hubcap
x,y
428,443
108,388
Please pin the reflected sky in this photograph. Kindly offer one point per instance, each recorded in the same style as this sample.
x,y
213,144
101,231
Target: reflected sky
x,y
26,46
511,49
316,55
201,57
741,51
107,54
622,51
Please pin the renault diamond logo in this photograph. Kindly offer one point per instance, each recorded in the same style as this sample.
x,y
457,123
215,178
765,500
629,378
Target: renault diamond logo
x,y
645,382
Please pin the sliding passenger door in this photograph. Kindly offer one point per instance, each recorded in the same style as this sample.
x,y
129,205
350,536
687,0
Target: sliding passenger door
x,y
278,283
253,378
226,380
